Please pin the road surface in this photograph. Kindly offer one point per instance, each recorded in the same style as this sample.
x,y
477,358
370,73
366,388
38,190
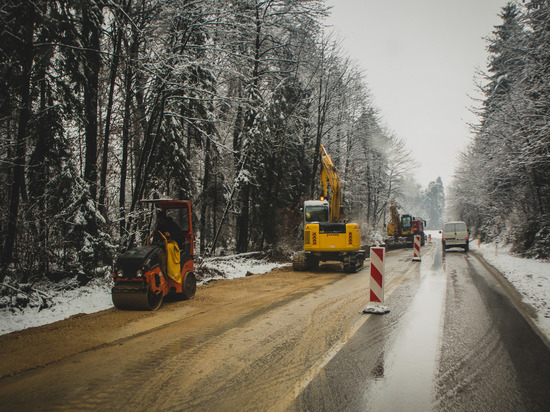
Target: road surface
x,y
453,340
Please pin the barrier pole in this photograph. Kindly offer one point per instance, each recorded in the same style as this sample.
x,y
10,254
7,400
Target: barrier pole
x,y
416,249
377,281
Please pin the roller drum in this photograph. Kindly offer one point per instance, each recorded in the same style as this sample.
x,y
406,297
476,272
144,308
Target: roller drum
x,y
135,297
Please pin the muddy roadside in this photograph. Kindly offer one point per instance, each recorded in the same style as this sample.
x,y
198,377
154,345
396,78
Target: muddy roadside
x,y
40,346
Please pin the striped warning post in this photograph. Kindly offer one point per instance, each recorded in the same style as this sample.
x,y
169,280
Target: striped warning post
x,y
416,249
377,276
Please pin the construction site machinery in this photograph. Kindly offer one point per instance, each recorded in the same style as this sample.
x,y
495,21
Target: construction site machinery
x,y
325,237
401,229
146,274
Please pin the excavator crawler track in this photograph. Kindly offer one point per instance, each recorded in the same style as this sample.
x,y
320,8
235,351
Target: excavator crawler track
x,y
353,263
299,262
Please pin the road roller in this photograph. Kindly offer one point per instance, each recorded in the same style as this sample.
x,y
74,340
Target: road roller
x,y
146,274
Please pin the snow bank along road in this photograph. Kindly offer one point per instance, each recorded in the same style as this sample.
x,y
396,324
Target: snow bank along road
x,y
294,341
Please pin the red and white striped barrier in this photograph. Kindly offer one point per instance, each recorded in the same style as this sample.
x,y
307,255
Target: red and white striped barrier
x,y
377,280
377,274
416,248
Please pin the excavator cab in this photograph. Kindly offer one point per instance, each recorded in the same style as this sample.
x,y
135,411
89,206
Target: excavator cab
x,y
316,211
407,224
164,265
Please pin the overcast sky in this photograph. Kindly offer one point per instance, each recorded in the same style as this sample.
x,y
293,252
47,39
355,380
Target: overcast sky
x,y
420,59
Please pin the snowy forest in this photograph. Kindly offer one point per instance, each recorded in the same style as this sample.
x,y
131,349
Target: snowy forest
x,y
221,102
225,103
502,185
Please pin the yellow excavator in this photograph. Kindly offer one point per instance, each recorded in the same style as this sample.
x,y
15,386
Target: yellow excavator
x,y
326,238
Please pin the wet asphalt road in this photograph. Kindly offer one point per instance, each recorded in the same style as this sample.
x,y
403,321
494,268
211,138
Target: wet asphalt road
x,y
453,341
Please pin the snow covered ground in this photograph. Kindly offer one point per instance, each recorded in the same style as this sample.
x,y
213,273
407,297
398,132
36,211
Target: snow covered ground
x,y
530,277
66,299
232,267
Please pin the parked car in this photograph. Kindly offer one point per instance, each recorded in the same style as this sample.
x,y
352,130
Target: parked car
x,y
455,234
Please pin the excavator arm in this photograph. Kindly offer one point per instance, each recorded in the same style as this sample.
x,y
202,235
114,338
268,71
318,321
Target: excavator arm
x,y
329,175
394,226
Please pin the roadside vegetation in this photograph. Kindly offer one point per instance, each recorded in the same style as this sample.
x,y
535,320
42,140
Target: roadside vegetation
x,y
502,186
223,103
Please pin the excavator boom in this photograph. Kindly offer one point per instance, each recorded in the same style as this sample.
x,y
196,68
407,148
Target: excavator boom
x,y
394,226
329,175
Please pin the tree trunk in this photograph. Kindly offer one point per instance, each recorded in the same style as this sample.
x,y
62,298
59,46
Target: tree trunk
x,y
37,187
242,218
149,146
112,85
205,199
92,65
146,155
128,80
18,184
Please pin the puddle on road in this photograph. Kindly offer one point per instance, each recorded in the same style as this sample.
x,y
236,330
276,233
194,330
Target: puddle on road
x,y
409,365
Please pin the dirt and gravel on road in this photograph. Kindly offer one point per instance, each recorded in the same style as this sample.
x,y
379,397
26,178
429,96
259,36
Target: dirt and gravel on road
x,y
37,347
252,342
267,329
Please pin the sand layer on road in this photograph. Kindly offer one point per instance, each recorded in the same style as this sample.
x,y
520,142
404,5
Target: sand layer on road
x,y
252,343
36,347
242,342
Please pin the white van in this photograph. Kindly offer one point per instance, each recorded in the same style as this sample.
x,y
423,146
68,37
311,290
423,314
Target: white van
x,y
455,234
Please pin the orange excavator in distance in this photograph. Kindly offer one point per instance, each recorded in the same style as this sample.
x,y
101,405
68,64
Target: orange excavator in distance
x,y
401,229
146,274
